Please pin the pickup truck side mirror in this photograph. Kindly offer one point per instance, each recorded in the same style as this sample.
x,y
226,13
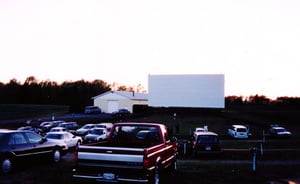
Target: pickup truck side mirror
x,y
174,139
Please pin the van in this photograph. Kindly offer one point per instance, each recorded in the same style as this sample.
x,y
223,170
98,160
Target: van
x,y
207,143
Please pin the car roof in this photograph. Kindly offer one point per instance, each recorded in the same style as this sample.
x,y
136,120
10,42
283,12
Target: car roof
x,y
98,128
239,126
59,133
205,133
278,127
137,124
11,131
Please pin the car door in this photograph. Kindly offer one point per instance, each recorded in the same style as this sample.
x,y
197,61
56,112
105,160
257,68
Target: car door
x,y
18,145
68,140
38,145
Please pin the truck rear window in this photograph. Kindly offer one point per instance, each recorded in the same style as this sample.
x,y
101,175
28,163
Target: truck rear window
x,y
140,135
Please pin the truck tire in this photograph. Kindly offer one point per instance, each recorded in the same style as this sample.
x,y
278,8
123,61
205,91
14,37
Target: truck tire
x,y
173,166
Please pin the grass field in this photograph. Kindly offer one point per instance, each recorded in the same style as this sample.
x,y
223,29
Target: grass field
x,y
27,111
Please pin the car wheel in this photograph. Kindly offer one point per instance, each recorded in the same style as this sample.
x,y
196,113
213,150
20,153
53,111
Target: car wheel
x,y
6,165
56,156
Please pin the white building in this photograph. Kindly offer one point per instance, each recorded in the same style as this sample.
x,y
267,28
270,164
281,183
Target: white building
x,y
114,100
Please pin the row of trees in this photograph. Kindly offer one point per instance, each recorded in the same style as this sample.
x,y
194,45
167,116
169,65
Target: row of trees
x,y
262,100
78,94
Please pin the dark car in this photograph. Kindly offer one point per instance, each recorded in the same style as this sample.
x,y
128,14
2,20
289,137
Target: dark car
x,y
92,110
71,126
19,146
47,125
206,143
30,128
121,113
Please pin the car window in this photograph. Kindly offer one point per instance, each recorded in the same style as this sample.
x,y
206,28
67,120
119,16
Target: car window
x,y
33,138
17,138
207,139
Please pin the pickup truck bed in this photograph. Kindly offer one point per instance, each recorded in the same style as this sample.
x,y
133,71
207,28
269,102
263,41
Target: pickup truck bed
x,y
134,152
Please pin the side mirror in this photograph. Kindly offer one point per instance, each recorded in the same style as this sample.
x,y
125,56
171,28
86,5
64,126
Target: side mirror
x,y
173,139
43,140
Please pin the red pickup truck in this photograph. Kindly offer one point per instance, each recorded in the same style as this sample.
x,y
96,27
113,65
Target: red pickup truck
x,y
133,152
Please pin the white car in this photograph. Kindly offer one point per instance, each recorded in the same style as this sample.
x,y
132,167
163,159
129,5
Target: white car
x,y
278,131
96,135
64,137
238,131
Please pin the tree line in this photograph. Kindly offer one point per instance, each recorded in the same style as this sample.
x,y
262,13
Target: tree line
x,y
75,94
78,94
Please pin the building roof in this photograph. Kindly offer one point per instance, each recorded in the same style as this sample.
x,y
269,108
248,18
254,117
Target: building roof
x,y
130,95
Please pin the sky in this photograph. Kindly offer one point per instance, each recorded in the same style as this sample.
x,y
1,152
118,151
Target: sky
x,y
254,43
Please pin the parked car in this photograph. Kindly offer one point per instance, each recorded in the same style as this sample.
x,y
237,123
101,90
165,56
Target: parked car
x,y
206,143
30,128
238,131
19,146
71,126
96,135
58,129
121,113
47,125
199,129
84,130
106,125
92,110
64,137
279,131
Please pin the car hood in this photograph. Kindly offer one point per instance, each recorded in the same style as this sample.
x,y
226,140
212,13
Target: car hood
x,y
92,136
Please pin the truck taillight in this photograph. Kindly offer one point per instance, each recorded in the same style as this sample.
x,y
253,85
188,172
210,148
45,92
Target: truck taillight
x,y
146,162
75,155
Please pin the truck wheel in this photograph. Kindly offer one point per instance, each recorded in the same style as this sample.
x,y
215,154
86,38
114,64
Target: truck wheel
x,y
173,166
6,165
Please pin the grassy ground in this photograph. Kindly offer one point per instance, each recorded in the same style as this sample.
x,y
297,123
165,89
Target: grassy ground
x,y
26,111
212,170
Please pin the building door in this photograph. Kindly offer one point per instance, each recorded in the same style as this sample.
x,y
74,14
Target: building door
x,y
112,105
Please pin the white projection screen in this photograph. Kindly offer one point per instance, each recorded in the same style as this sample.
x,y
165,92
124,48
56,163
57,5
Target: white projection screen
x,y
197,91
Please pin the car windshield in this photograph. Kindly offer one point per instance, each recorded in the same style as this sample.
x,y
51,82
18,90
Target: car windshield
x,y
241,130
280,130
207,139
96,131
87,126
54,136
1,137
